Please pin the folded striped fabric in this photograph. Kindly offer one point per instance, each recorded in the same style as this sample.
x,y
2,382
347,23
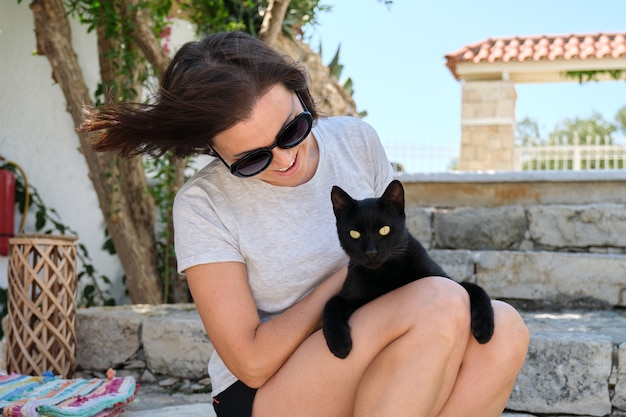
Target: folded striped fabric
x,y
52,396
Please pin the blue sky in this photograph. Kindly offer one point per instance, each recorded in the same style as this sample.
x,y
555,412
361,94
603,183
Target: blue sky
x,y
395,57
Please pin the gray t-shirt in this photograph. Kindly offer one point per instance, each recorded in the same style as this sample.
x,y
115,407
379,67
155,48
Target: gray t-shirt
x,y
285,236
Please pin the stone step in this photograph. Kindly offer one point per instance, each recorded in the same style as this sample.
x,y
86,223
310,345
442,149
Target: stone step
x,y
555,279
576,364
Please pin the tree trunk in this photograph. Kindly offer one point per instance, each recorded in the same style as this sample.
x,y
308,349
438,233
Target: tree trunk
x,y
272,25
151,48
180,288
126,217
146,41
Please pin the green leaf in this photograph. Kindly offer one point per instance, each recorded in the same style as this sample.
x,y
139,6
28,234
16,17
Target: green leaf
x,y
40,218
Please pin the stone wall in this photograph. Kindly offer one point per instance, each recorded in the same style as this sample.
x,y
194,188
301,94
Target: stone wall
x,y
576,362
529,242
164,344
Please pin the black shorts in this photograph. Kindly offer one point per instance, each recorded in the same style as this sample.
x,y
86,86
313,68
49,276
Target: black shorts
x,y
234,401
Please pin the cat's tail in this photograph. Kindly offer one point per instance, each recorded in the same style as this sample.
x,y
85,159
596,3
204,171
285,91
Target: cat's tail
x,y
482,312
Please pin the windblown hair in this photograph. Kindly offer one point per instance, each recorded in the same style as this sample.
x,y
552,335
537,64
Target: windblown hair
x,y
209,86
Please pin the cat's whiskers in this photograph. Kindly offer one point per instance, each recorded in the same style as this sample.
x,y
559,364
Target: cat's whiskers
x,y
398,252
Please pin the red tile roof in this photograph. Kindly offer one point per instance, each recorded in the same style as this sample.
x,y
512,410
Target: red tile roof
x,y
538,48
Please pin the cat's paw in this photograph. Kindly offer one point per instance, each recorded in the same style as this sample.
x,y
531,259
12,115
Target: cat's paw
x,y
339,341
341,348
482,331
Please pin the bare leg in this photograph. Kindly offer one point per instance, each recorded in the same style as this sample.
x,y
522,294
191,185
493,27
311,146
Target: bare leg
x,y
411,373
488,372
409,359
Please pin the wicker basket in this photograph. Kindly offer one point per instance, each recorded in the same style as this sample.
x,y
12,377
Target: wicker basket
x,y
41,333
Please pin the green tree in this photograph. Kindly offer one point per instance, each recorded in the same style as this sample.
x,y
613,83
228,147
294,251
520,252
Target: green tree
x,y
587,130
620,119
527,132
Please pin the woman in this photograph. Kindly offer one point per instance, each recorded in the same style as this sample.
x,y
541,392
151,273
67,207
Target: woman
x,y
255,236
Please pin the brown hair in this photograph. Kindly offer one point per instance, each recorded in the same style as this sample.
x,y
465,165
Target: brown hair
x,y
209,86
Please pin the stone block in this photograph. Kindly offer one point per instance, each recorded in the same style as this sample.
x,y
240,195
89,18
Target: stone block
x,y
602,225
107,336
488,99
418,222
619,399
481,228
565,373
458,264
176,344
550,275
610,323
492,189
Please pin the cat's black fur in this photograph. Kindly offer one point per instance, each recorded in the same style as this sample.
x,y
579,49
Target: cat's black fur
x,y
384,256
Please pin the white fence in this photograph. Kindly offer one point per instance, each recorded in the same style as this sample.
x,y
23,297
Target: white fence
x,y
594,153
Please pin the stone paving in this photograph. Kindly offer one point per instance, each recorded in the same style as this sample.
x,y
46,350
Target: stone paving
x,y
155,401
151,398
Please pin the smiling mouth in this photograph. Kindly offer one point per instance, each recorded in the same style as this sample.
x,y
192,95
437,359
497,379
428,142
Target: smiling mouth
x,y
290,165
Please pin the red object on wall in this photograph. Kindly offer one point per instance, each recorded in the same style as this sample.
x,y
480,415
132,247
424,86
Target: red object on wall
x,y
7,209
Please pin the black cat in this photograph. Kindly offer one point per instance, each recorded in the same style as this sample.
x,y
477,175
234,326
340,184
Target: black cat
x,y
384,256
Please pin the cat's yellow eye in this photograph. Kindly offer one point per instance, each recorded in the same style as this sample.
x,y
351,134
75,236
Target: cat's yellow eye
x,y
384,231
354,234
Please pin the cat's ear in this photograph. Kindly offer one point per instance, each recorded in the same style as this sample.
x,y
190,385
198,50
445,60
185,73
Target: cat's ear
x,y
341,200
394,195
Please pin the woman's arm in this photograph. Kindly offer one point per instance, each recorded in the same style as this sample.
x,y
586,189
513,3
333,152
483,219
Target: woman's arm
x,y
253,351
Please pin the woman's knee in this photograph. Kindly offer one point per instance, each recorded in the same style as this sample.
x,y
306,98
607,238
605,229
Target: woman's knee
x,y
430,309
445,306
512,331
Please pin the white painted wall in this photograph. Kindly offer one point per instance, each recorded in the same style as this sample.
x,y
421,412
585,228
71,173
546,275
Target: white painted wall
x,y
37,133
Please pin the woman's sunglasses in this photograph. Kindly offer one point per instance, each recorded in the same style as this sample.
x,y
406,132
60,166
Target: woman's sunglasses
x,y
289,137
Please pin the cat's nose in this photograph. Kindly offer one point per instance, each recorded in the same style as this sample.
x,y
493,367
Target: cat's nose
x,y
370,250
